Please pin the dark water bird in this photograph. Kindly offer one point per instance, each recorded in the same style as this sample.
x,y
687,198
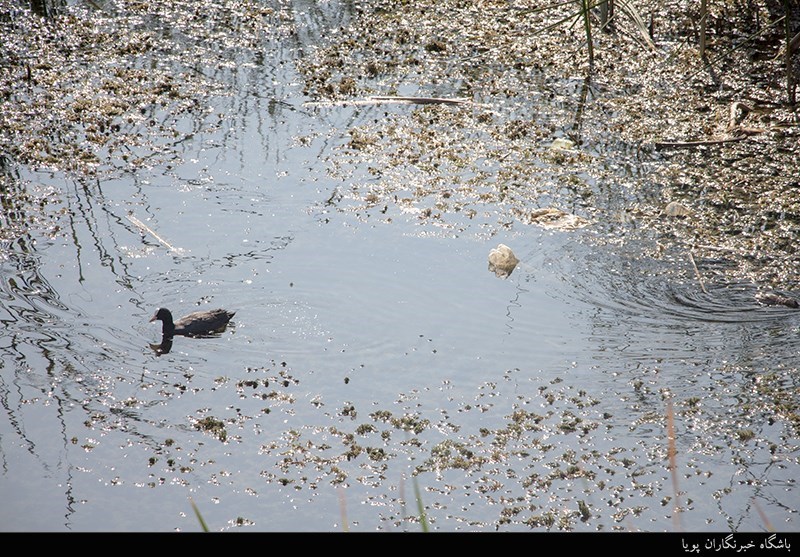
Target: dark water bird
x,y
198,323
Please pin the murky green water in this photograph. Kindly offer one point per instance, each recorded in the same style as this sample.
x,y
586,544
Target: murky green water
x,y
371,347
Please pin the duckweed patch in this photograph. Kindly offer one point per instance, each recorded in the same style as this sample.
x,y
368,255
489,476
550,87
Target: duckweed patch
x,y
95,90
545,131
213,426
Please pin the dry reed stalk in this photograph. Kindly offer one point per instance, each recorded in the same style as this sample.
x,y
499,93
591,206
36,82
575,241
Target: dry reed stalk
x,y
393,99
703,19
343,509
673,467
697,273
587,25
149,230
701,143
763,516
791,45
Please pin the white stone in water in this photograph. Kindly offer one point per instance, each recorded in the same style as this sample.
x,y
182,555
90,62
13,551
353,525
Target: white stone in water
x,y
502,261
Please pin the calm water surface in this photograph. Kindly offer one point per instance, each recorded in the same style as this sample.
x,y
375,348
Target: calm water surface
x,y
342,318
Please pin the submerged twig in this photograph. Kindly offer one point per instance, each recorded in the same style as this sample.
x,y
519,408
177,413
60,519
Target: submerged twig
x,y
697,273
146,228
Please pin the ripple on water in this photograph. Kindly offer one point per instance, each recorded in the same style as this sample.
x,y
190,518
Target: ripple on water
x,y
668,292
642,309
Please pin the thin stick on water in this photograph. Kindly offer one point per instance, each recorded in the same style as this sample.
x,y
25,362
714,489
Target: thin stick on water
x,y
673,467
419,100
393,99
342,508
149,230
763,515
701,143
703,23
203,524
697,273
423,519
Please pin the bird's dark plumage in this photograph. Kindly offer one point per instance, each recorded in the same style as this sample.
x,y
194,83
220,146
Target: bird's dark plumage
x,y
195,324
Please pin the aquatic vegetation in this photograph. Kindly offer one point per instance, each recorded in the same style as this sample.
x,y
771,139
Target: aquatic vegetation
x,y
454,165
213,426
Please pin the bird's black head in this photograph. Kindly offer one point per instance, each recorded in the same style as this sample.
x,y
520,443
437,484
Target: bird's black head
x,y
162,314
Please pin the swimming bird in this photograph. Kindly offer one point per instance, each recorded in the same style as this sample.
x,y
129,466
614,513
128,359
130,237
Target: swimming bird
x,y
195,324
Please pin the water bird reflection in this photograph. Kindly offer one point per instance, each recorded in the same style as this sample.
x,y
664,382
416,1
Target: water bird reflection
x,y
163,347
